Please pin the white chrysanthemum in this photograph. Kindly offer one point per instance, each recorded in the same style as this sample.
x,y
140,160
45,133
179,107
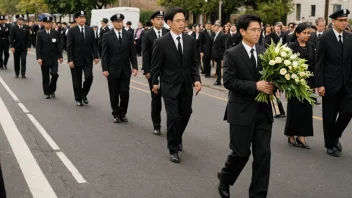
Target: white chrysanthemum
x,y
277,50
283,54
283,71
278,60
287,49
290,67
297,79
272,62
294,76
302,74
287,76
294,56
287,62
295,64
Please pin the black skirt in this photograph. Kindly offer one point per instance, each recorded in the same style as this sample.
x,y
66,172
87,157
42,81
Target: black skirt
x,y
299,121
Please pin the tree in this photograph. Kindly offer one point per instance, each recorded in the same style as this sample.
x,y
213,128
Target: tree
x,y
8,6
145,16
32,6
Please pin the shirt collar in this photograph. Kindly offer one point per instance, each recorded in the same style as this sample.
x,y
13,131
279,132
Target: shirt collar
x,y
337,34
80,27
174,36
117,32
248,49
156,31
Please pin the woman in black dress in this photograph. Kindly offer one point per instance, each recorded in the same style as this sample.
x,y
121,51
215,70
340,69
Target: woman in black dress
x,y
299,120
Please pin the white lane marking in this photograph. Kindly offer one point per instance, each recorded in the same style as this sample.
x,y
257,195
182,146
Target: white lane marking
x,y
24,109
37,183
75,173
9,90
42,131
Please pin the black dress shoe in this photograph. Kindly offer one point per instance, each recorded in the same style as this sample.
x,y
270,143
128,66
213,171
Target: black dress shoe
x,y
117,120
338,146
333,152
5,66
47,96
53,95
85,100
16,76
157,131
124,119
301,144
180,147
216,84
175,158
224,190
79,104
294,143
24,76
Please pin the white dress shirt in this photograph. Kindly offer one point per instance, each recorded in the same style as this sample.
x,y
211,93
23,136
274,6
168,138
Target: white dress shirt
x,y
337,35
174,36
80,30
248,50
117,33
156,32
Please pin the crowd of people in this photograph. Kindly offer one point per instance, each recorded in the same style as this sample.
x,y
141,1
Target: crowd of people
x,y
172,61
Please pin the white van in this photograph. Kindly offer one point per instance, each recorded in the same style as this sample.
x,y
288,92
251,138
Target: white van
x,y
130,13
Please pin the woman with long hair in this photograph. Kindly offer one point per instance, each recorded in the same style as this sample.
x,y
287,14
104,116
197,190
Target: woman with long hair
x,y
299,120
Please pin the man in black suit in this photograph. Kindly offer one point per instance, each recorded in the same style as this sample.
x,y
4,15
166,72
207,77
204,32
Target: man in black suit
x,y
103,29
48,55
218,50
250,121
233,39
128,27
20,43
119,53
81,50
64,36
174,62
320,22
34,31
4,42
333,79
149,36
287,36
206,42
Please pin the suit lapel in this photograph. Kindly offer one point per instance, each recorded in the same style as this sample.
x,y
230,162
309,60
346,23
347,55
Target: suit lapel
x,y
173,46
248,62
114,37
124,40
345,45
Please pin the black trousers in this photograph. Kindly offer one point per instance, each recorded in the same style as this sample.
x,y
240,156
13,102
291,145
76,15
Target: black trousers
x,y
20,57
34,40
49,86
2,184
63,44
206,65
218,70
4,49
155,106
139,46
178,112
257,135
119,91
76,74
333,123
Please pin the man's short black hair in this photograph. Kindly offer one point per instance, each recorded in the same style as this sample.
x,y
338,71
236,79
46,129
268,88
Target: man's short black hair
x,y
170,13
244,21
291,23
128,23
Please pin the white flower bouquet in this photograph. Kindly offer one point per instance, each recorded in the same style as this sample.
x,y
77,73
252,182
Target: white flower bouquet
x,y
287,72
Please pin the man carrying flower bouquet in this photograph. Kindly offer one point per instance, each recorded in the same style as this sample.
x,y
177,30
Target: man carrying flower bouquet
x,y
250,121
333,79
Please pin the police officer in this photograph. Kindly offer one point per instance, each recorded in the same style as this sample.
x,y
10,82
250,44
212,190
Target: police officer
x,y
81,50
119,53
4,42
148,38
104,29
20,43
48,55
34,30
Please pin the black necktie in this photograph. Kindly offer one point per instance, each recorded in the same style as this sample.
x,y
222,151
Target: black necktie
x,y
82,34
254,62
179,47
340,42
120,38
159,34
319,34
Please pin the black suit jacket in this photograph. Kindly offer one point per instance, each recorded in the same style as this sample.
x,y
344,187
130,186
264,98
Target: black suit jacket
x,y
20,39
48,47
167,65
131,30
206,42
101,33
5,33
232,41
116,58
240,78
218,47
147,47
277,37
81,53
333,65
313,38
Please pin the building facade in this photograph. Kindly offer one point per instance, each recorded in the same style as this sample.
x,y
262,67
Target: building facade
x,y
311,9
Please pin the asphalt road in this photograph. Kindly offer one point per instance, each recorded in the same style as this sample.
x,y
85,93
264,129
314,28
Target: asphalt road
x,y
68,151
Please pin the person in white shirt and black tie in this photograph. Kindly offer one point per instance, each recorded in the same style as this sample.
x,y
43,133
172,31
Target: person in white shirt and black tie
x,y
218,50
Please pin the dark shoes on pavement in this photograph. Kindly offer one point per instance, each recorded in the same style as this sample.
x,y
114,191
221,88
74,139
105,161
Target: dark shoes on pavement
x,y
336,150
118,119
85,100
174,158
79,103
224,189
157,131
